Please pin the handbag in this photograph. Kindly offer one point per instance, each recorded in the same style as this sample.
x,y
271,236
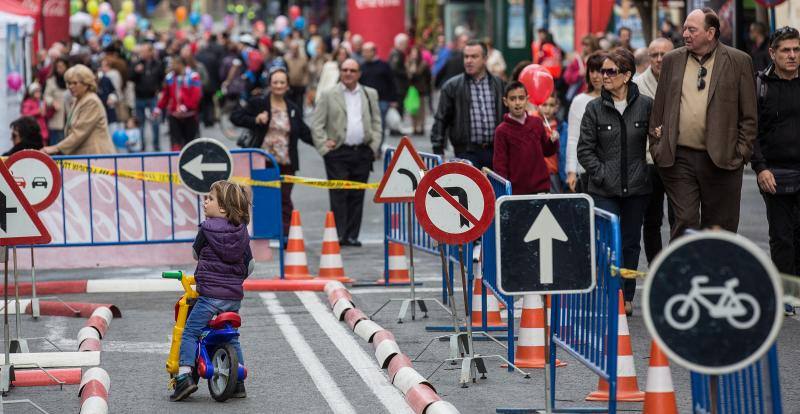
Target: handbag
x,y
247,140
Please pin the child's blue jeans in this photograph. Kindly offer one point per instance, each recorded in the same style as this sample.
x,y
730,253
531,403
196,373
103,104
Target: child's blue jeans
x,y
203,311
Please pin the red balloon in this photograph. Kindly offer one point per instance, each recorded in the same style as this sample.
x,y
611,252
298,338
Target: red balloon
x,y
294,12
541,87
526,76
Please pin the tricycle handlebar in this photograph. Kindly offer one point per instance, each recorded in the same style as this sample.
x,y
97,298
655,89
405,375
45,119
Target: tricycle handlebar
x,y
172,274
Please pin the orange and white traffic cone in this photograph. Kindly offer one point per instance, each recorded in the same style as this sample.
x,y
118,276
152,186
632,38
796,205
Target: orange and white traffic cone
x,y
627,385
659,396
493,317
398,265
295,262
530,346
330,263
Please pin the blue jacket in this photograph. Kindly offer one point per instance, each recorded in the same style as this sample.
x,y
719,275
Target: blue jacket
x,y
224,259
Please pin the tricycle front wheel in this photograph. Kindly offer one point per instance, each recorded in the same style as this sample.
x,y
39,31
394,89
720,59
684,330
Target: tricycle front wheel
x,y
225,361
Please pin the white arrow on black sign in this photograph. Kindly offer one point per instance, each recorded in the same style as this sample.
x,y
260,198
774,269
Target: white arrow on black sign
x,y
545,229
196,167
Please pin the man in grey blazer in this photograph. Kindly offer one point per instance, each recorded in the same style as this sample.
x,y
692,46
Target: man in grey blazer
x,y
703,125
346,128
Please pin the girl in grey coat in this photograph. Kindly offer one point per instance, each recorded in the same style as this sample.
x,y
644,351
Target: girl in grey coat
x,y
612,150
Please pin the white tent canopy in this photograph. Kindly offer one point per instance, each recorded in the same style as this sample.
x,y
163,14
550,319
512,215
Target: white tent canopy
x,y
15,53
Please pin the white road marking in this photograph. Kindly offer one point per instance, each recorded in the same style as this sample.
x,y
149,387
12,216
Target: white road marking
x,y
363,364
128,347
321,377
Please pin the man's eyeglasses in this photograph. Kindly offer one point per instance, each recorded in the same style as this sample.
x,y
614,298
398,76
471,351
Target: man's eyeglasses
x,y
350,70
657,55
701,81
609,72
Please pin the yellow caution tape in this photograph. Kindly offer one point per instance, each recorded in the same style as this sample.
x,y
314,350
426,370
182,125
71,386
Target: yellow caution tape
x,y
626,273
329,184
162,177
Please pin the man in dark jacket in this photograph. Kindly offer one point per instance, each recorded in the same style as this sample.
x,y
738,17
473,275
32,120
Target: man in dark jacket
x,y
377,74
147,75
759,48
397,62
211,57
454,65
776,153
470,108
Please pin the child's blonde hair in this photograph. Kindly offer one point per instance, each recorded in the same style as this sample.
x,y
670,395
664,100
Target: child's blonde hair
x,y
234,199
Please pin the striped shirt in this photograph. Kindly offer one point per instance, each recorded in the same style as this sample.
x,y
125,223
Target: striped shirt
x,y
481,111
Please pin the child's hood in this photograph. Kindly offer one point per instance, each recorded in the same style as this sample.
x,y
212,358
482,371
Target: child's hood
x,y
228,241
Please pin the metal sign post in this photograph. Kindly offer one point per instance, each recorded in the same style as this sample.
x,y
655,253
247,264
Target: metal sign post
x,y
18,344
548,404
399,183
6,371
34,299
455,204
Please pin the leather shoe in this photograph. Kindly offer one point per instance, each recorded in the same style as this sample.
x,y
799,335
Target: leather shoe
x,y
353,242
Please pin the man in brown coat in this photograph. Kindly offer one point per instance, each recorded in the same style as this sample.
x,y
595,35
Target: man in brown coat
x,y
701,138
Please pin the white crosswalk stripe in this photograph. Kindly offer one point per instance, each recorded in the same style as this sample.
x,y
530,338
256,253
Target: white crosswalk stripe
x,y
321,377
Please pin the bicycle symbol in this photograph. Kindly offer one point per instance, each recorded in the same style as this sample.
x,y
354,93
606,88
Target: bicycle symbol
x,y
740,309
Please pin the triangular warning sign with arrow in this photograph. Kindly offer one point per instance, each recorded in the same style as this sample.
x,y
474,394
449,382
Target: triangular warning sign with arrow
x,y
402,176
19,222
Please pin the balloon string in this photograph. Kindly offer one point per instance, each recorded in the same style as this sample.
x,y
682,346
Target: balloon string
x,y
546,122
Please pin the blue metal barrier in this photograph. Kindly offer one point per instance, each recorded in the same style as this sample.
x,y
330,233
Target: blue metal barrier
x,y
395,227
585,325
501,187
754,389
101,208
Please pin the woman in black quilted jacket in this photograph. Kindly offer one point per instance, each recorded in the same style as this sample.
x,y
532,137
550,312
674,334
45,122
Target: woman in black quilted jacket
x,y
612,150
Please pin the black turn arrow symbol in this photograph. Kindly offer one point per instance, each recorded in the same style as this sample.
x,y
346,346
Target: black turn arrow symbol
x,y
410,176
458,193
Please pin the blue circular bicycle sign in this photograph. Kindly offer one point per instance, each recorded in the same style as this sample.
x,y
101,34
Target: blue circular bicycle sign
x,y
712,301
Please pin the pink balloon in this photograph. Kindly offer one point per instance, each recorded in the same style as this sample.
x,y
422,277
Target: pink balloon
x,y
121,30
130,20
14,81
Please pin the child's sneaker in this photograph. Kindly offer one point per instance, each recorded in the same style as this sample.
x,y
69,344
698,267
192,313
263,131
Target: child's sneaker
x,y
240,391
184,386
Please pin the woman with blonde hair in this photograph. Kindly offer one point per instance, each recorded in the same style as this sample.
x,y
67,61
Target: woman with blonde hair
x,y
86,129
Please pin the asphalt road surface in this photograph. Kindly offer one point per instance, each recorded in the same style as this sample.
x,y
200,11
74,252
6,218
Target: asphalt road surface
x,y
301,360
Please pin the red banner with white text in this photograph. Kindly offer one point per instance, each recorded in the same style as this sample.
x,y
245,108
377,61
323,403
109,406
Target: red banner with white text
x,y
377,21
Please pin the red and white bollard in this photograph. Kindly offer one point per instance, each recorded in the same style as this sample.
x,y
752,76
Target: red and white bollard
x,y
93,391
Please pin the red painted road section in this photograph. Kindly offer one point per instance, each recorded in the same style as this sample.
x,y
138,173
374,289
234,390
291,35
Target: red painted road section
x,y
37,377
84,310
51,288
79,286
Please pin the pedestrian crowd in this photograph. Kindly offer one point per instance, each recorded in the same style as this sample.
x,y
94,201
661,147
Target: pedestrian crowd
x,y
676,121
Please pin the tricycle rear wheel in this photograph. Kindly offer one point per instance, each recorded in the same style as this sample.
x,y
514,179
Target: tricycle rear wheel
x,y
225,361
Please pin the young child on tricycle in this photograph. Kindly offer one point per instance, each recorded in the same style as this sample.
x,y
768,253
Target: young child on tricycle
x,y
224,260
